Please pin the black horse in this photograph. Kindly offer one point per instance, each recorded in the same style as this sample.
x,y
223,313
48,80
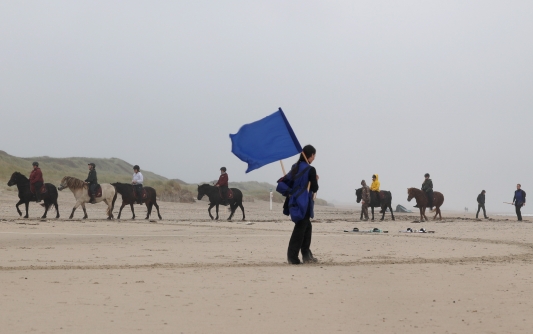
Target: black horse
x,y
213,193
384,203
26,196
128,197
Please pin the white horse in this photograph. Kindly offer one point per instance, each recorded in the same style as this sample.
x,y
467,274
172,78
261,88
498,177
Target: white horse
x,y
81,193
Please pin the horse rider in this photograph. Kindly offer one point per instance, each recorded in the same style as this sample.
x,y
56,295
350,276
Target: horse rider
x,y
137,183
374,188
92,181
223,185
36,181
365,202
427,188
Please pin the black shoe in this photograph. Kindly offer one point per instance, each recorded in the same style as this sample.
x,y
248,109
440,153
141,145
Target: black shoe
x,y
296,261
486,217
92,201
416,206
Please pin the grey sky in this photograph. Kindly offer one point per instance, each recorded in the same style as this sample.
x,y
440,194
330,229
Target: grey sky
x,y
398,88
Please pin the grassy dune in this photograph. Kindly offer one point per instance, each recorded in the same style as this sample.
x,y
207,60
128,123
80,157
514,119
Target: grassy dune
x,y
117,170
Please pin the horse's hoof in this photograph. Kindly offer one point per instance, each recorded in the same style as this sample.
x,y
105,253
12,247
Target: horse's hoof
x,y
26,217
381,220
393,219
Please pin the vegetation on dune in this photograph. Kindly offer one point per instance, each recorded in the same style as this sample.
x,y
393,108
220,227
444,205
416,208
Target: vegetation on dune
x,y
117,170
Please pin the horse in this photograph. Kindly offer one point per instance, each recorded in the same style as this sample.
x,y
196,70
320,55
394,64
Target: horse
x,y
422,201
213,193
384,203
81,193
26,196
128,197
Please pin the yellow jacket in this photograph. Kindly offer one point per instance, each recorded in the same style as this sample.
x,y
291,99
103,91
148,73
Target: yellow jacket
x,y
375,184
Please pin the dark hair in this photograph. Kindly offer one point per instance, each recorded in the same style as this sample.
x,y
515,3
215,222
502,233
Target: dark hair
x,y
427,175
483,191
137,168
35,163
308,151
223,169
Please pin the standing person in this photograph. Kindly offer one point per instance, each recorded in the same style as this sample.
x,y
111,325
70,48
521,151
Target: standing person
x,y
374,188
365,199
301,235
481,204
427,187
36,181
519,200
223,185
92,181
137,182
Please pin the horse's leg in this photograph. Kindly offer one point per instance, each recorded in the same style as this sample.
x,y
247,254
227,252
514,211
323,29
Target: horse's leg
x,y
46,206
120,210
372,212
242,208
132,211
157,207
421,214
216,208
27,204
233,207
391,212
149,210
383,210
17,206
57,209
209,210
84,211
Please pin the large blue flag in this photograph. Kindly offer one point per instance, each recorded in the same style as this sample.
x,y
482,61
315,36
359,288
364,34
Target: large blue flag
x,y
265,141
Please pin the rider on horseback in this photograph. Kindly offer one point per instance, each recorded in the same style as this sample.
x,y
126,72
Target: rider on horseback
x,y
427,188
36,181
374,189
92,181
223,185
137,183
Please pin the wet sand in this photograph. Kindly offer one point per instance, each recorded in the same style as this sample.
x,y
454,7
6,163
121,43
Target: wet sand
x,y
188,274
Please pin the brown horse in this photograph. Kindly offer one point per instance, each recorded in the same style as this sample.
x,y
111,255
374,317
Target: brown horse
x,y
422,201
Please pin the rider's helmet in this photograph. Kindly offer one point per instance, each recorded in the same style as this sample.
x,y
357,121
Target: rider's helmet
x,y
91,164
426,175
223,169
35,163
137,167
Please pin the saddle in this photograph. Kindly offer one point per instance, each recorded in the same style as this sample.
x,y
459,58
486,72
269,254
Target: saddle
x,y
143,193
229,194
43,189
97,193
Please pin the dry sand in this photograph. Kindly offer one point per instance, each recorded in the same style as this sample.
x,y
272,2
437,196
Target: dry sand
x,y
187,274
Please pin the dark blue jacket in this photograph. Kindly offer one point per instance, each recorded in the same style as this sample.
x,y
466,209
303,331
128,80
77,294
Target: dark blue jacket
x,y
519,197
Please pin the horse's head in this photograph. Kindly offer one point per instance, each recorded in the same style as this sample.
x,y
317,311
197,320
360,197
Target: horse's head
x,y
64,183
410,194
359,194
15,178
202,190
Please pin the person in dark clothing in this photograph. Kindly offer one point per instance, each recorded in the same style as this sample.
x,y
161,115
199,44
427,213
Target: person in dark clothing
x,y
301,235
427,187
36,181
223,185
92,181
481,204
519,200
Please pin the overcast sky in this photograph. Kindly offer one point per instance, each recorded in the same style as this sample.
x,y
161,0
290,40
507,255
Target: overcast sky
x,y
398,88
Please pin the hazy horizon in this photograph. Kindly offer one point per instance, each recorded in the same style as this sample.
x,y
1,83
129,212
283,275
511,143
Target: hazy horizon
x,y
394,88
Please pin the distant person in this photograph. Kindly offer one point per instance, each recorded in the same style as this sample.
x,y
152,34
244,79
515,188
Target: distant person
x,y
481,204
301,235
92,181
365,199
137,182
374,188
427,188
519,200
36,181
223,185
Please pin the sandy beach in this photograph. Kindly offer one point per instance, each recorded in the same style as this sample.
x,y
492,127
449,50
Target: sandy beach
x,y
188,274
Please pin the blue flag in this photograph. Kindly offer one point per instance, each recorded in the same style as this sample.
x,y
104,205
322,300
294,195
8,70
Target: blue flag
x,y
265,141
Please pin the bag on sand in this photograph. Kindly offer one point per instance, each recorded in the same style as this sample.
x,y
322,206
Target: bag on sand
x,y
299,199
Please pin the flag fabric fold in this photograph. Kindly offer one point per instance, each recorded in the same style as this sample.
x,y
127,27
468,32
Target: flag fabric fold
x,y
265,141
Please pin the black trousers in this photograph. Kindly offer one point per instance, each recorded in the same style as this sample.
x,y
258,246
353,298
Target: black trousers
x,y
224,193
37,186
300,241
93,187
479,207
138,192
518,213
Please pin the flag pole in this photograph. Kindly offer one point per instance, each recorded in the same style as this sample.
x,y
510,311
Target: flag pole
x,y
282,167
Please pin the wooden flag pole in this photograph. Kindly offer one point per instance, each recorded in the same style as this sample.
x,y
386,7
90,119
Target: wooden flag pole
x,y
282,167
